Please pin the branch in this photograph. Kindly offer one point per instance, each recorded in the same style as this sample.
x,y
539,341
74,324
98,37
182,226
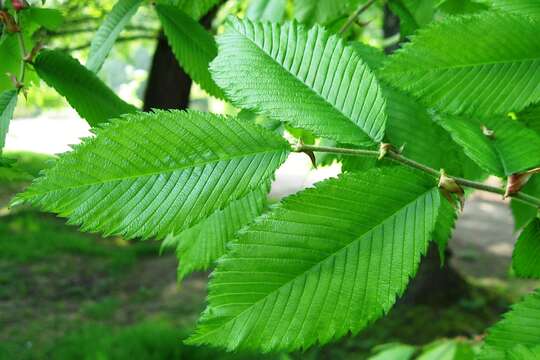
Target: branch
x,y
528,199
352,19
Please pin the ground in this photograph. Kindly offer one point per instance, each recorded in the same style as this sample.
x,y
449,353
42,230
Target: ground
x,y
68,295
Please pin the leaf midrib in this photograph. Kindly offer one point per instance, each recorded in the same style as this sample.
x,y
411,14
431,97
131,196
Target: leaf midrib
x,y
461,66
158,172
351,243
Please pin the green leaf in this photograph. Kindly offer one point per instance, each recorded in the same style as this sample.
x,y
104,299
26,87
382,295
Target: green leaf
x,y
526,256
447,350
520,326
458,7
393,351
446,222
322,11
326,261
407,118
511,148
108,31
522,212
435,147
413,14
531,117
525,7
199,246
195,9
521,352
8,101
193,46
479,147
84,91
372,56
155,174
266,10
307,78
453,66
11,61
50,19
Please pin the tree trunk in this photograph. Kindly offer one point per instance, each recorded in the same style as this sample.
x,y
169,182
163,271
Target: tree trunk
x,y
168,85
390,28
433,284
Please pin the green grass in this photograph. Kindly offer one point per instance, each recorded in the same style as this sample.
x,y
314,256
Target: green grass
x,y
147,340
30,236
102,309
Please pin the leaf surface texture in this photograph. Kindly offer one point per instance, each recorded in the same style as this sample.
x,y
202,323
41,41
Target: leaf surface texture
x,y
482,65
150,175
526,256
499,145
525,7
198,247
193,46
522,212
520,327
308,78
327,261
8,101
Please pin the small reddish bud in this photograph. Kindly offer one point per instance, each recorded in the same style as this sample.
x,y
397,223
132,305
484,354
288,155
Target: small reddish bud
x,y
18,5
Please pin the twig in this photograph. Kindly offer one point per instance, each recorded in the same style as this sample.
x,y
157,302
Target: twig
x,y
528,199
352,18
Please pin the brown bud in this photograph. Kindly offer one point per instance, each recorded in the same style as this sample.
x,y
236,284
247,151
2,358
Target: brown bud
x,y
384,148
449,186
516,182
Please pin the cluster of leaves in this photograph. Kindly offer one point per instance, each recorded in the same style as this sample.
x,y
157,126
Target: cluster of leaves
x,y
331,259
